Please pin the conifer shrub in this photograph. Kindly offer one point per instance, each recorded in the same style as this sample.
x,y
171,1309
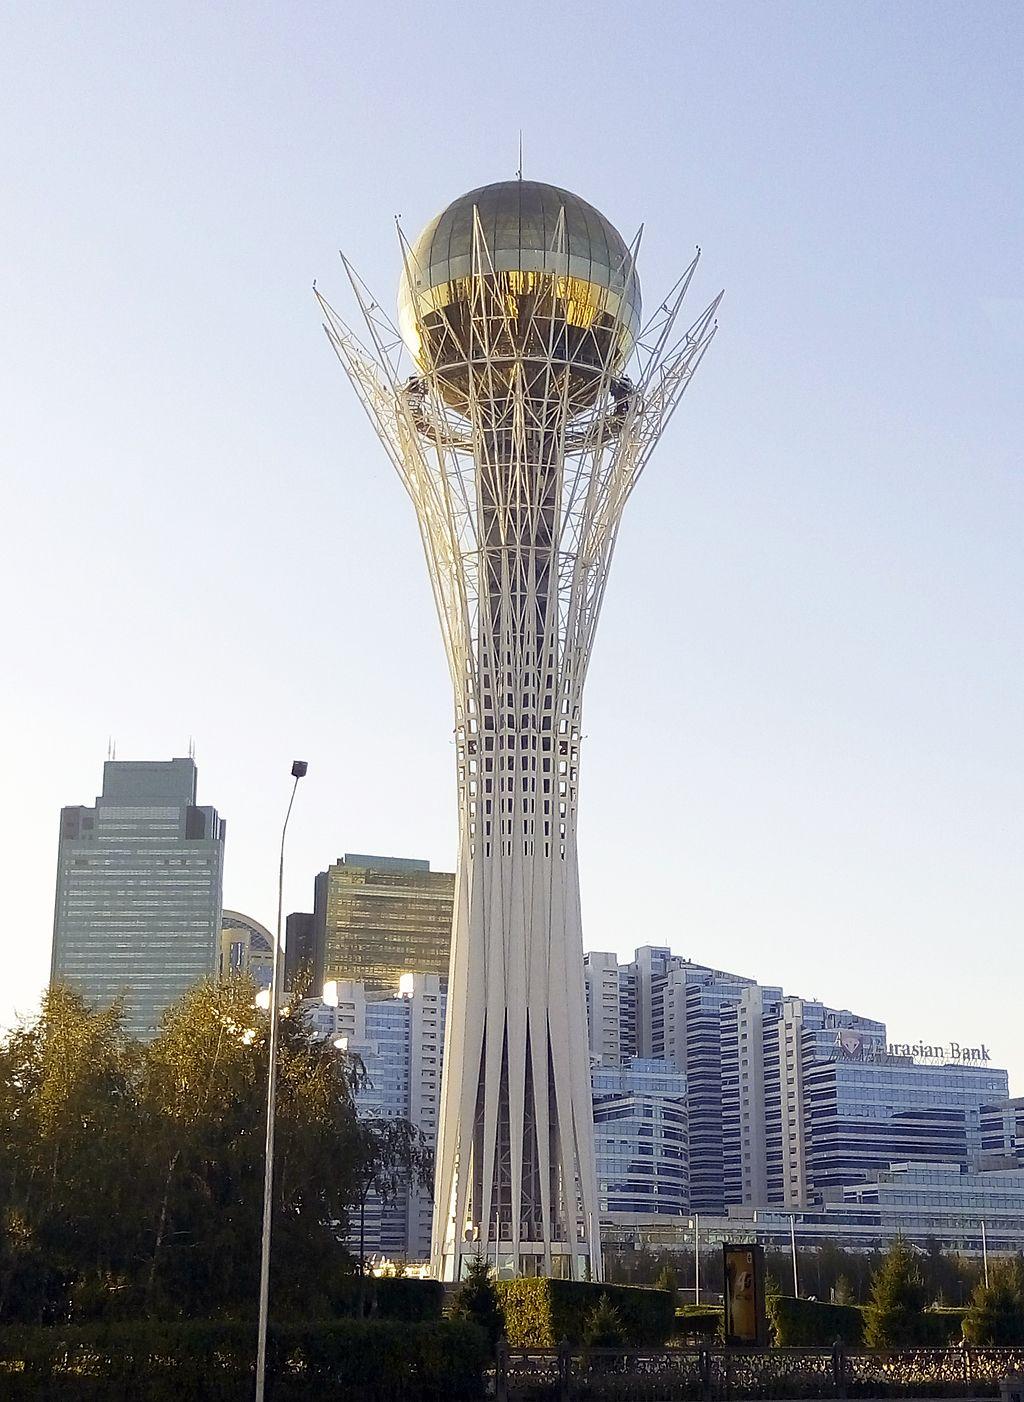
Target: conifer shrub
x,y
995,1315
476,1300
894,1316
603,1327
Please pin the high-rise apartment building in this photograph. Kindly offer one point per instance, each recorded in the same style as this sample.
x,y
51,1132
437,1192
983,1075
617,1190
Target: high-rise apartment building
x,y
139,882
399,1039
376,918
670,1009
641,1139
788,1100
769,1042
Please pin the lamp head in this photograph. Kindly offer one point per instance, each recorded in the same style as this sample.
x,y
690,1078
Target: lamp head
x,y
299,767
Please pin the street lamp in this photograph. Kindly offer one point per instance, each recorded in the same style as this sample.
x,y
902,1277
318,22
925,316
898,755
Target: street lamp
x,y
299,768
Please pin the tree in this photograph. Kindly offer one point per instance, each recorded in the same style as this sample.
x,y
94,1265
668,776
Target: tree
x,y
392,1155
603,1326
842,1291
477,1300
898,1296
667,1279
131,1178
71,1218
996,1312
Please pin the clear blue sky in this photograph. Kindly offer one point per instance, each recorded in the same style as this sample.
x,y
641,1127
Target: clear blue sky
x,y
804,718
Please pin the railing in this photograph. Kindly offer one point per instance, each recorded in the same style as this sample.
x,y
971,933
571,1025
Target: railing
x,y
568,1374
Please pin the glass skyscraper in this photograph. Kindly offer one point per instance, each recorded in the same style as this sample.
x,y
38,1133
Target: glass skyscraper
x,y
377,918
139,891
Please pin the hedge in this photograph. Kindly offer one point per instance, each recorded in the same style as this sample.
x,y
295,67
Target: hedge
x,y
541,1313
348,1360
700,1321
389,1297
812,1323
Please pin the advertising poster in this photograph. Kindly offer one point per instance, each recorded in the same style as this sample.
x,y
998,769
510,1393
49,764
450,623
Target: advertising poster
x,y
746,1323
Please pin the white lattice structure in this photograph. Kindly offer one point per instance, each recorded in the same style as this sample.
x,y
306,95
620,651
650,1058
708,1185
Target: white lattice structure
x,y
505,406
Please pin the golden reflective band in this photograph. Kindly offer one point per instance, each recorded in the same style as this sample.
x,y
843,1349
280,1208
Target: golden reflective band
x,y
583,304
584,301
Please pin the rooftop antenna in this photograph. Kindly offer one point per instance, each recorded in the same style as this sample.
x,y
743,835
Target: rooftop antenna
x,y
110,747
191,747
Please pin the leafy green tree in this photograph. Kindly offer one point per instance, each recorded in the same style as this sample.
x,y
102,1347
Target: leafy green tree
x,y
996,1312
131,1176
842,1291
477,1300
898,1297
70,1216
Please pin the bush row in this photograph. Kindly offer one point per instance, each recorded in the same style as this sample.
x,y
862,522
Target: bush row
x,y
389,1297
815,1324
702,1322
541,1313
349,1360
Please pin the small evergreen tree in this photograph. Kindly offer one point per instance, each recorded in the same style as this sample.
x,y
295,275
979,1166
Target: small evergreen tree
x,y
477,1300
603,1327
842,1291
996,1312
667,1279
897,1301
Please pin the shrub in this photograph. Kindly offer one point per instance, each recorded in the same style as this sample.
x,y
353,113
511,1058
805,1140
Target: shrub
x,y
602,1327
996,1312
389,1297
541,1313
813,1324
941,1328
348,1360
477,1300
700,1321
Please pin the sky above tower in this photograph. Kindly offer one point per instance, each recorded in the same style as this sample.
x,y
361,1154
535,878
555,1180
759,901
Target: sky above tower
x,y
804,751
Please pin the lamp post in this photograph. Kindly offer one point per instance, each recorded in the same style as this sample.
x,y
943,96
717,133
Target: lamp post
x,y
792,1247
299,768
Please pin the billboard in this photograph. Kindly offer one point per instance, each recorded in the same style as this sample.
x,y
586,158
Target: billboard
x,y
746,1323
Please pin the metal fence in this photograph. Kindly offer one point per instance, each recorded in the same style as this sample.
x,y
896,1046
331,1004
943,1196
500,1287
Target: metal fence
x,y
570,1374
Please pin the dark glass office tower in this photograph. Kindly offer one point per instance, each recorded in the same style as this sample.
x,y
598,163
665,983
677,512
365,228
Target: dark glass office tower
x,y
139,890
377,918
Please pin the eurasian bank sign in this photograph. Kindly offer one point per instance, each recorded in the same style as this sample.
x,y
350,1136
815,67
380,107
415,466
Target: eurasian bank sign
x,y
854,1046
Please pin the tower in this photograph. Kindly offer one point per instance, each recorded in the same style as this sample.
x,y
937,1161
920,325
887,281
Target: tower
x,y
519,402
